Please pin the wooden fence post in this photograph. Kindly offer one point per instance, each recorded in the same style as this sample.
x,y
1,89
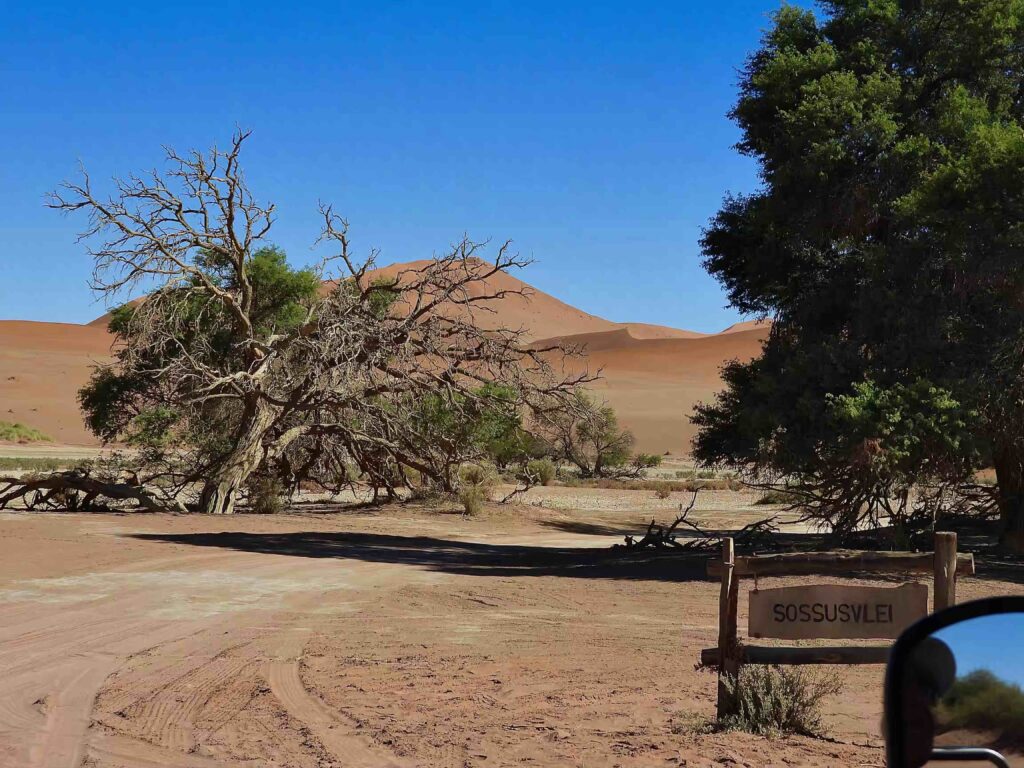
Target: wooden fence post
x,y
728,602
945,570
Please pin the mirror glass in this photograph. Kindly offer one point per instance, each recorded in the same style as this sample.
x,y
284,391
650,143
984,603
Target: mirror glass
x,y
965,685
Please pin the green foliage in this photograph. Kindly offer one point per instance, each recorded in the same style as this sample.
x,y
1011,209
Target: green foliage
x,y
639,484
152,426
485,424
587,434
600,432
773,700
647,460
499,429
885,243
982,702
382,294
124,402
282,294
913,432
543,470
110,400
19,433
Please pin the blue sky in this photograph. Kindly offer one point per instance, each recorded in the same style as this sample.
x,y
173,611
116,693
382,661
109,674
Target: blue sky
x,y
593,134
988,642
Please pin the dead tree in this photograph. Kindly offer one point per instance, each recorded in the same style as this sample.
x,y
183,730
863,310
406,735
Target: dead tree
x,y
351,372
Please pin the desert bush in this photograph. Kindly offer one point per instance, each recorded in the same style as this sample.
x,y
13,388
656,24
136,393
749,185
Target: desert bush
x,y
543,470
266,495
981,701
475,486
720,484
663,492
586,434
413,477
778,496
773,700
19,433
473,499
643,461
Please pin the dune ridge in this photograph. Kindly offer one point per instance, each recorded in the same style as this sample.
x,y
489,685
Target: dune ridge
x,y
653,375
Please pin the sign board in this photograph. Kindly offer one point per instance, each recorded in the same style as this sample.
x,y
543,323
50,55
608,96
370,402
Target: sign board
x,y
834,611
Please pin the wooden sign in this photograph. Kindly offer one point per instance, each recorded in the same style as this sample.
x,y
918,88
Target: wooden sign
x,y
836,611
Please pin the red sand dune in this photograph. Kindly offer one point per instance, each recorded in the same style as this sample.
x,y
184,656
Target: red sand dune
x,y
653,384
653,375
42,366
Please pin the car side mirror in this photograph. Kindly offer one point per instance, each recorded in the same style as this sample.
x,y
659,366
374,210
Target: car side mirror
x,y
954,687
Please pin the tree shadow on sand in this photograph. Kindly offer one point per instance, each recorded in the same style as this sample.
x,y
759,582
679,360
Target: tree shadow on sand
x,y
507,560
459,557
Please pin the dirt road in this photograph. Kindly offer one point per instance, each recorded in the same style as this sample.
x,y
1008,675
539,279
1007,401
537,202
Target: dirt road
x,y
395,639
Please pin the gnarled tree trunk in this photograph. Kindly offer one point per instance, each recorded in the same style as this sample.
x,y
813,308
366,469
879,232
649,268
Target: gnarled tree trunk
x,y
1010,477
220,489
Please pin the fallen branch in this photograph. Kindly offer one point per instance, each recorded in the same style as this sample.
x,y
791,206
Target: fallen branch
x,y
750,536
659,537
76,489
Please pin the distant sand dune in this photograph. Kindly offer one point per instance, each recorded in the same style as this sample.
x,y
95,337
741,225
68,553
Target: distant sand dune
x,y
42,366
653,384
653,375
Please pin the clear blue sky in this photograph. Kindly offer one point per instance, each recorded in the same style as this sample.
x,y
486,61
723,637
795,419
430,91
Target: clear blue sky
x,y
592,134
988,642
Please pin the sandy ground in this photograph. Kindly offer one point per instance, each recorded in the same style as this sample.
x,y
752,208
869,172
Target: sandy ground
x,y
405,637
50,451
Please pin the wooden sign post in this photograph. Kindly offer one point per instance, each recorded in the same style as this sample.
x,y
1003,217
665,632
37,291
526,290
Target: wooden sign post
x,y
728,645
828,611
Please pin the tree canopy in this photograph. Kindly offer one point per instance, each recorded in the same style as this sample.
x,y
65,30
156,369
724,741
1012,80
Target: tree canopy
x,y
886,243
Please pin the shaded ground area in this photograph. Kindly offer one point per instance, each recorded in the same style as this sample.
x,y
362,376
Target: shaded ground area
x,y
400,636
471,558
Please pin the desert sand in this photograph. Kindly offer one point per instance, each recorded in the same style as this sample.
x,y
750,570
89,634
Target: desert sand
x,y
402,637
652,375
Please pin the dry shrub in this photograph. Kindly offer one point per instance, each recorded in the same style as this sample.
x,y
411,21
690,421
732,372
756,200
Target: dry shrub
x,y
475,486
38,464
774,701
779,496
718,484
663,492
542,470
266,496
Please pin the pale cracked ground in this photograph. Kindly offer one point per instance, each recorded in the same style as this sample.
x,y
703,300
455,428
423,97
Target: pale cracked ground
x,y
400,638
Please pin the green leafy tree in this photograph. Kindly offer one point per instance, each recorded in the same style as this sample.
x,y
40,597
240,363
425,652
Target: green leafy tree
x,y
587,434
887,245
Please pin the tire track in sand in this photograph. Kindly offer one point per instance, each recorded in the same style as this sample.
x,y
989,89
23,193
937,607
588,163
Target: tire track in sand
x,y
61,744
337,733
